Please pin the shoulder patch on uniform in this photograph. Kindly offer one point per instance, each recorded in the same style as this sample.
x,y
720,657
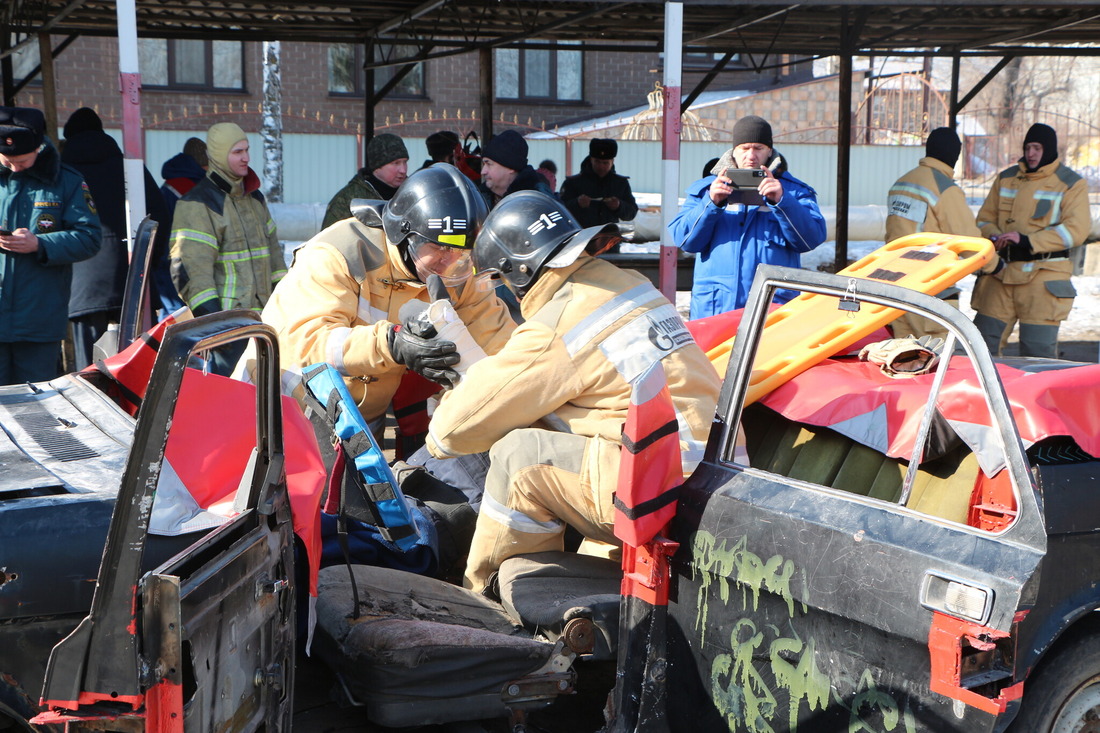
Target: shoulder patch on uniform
x,y
550,314
645,339
88,198
208,194
1067,176
358,248
907,207
943,180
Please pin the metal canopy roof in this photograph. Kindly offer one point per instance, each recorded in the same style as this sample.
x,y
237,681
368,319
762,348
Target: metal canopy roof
x,y
444,27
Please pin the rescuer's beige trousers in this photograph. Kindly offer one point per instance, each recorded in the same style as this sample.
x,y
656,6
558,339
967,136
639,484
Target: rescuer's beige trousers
x,y
538,482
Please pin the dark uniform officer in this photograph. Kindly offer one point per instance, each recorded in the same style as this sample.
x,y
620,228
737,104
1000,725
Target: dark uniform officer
x,y
598,195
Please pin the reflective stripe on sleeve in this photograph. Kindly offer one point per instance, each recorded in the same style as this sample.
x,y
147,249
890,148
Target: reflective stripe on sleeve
x,y
691,450
334,349
586,331
194,235
1064,233
367,313
202,297
917,191
438,444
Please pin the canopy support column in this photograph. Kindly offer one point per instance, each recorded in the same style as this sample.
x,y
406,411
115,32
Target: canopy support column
x,y
485,91
133,144
49,86
670,145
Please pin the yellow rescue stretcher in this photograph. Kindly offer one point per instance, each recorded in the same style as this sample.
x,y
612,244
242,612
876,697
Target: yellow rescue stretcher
x,y
802,333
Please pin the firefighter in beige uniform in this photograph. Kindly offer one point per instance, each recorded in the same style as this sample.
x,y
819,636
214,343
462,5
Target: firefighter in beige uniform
x,y
1035,212
927,199
590,329
341,301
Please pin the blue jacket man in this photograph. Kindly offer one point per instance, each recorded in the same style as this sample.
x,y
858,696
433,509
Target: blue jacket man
x,y
730,239
47,222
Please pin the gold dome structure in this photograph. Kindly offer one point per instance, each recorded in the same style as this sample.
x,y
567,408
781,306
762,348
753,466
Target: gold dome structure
x,y
646,125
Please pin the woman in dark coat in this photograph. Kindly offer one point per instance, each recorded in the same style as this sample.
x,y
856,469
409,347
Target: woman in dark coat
x,y
98,283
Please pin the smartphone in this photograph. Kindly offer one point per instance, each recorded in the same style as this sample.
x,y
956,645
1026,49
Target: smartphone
x,y
744,183
745,177
4,233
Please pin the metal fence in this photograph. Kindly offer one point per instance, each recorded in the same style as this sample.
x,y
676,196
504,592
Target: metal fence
x,y
317,165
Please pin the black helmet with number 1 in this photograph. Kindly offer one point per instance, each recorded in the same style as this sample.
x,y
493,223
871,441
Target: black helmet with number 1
x,y
528,232
434,218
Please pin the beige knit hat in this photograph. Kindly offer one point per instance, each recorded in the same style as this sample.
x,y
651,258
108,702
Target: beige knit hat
x,y
220,138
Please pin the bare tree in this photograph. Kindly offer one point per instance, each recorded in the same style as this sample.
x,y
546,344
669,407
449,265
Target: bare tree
x,y
272,126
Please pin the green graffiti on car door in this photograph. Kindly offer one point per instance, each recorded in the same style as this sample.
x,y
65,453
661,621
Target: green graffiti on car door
x,y
738,690
746,699
802,679
714,561
869,701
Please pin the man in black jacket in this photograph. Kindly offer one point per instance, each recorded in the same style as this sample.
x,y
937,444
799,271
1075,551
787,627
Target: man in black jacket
x,y
505,170
598,195
98,283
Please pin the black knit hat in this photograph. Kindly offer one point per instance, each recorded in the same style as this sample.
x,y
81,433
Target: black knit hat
x,y
441,144
83,120
752,129
383,149
944,145
22,130
603,148
196,148
509,149
1045,136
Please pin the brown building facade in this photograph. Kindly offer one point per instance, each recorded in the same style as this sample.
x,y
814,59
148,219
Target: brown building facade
x,y
189,84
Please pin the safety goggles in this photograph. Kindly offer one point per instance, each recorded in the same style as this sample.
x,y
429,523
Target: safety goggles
x,y
451,264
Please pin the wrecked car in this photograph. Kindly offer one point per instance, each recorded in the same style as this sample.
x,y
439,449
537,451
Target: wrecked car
x,y
878,553
857,551
95,500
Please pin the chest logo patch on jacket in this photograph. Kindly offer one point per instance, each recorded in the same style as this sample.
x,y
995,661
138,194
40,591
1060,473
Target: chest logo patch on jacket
x,y
46,223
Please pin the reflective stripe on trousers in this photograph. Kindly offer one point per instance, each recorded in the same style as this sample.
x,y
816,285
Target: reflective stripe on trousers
x,y
538,482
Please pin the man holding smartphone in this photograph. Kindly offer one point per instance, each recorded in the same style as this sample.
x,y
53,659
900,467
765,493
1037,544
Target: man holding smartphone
x,y
49,222
732,228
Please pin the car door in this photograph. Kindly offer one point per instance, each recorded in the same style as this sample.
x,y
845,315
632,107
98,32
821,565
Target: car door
x,y
848,603
205,641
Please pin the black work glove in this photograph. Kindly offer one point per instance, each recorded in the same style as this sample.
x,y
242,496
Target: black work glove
x,y
412,346
1018,251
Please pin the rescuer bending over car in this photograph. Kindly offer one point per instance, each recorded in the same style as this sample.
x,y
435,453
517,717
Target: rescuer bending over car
x,y
341,301
550,405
